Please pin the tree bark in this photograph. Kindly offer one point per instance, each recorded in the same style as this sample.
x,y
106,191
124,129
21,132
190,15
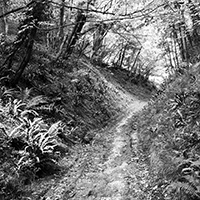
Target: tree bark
x,y
80,21
123,55
98,36
61,24
64,40
26,37
26,58
3,20
138,53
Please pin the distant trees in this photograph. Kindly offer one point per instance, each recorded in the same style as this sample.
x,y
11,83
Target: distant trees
x,y
104,31
181,32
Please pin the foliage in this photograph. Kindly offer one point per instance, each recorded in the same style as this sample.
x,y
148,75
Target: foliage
x,y
169,136
28,145
104,21
111,34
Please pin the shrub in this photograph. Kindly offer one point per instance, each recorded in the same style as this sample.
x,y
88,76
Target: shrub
x,y
168,131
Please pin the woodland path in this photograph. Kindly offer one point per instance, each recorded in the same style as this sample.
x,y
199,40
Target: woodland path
x,y
111,178
109,168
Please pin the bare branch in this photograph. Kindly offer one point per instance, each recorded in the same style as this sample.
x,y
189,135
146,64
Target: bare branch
x,y
141,11
82,9
15,10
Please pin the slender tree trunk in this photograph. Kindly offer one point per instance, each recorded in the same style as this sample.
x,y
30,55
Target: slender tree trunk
x,y
181,43
7,65
62,13
133,66
176,53
58,55
175,43
26,37
122,57
173,55
170,56
174,49
80,21
26,58
194,16
117,63
98,37
184,44
3,20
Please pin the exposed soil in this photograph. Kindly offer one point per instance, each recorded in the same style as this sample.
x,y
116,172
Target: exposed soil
x,y
106,169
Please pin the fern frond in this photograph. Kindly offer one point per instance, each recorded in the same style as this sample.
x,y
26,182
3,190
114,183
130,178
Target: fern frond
x,y
28,112
35,101
36,121
17,132
43,139
53,130
25,94
48,148
17,106
9,93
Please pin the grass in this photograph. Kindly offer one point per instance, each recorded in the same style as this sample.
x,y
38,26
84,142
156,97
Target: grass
x,y
168,132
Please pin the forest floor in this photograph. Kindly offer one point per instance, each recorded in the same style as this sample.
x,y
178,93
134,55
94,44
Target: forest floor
x,y
109,168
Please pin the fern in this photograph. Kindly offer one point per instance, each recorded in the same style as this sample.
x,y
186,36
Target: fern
x,y
24,94
40,141
35,101
182,189
6,94
17,132
17,107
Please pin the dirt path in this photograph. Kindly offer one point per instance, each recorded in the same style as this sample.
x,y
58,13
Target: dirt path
x,y
109,179
109,168
116,172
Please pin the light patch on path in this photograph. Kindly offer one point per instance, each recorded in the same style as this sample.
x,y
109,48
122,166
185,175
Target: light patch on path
x,y
103,174
116,188
109,183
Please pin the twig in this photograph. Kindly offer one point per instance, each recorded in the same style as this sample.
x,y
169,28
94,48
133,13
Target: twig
x,y
16,10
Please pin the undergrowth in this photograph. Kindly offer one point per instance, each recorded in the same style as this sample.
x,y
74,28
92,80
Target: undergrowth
x,y
55,106
29,146
168,131
38,126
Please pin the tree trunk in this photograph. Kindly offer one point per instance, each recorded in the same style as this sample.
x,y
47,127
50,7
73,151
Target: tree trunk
x,y
62,13
175,43
169,56
26,58
172,52
7,65
3,20
138,53
194,16
64,40
123,55
98,36
184,44
26,37
181,43
80,21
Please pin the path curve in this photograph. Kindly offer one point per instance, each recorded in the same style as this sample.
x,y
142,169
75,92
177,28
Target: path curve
x,y
110,181
107,169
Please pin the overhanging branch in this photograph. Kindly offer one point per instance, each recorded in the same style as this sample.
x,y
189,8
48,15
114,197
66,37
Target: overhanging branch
x,y
15,10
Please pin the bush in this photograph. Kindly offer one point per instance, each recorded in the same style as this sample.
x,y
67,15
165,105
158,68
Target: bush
x,y
28,145
168,131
